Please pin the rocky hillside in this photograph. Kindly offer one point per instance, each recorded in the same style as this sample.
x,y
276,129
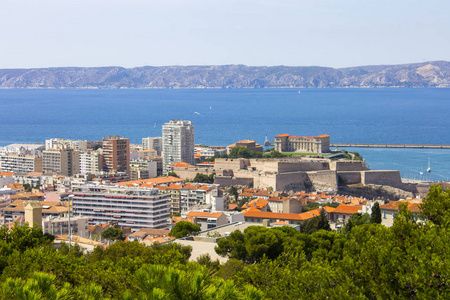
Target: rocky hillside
x,y
428,74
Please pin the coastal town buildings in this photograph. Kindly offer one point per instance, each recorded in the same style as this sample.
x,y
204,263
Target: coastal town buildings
x,y
177,143
152,143
129,207
303,144
20,163
116,154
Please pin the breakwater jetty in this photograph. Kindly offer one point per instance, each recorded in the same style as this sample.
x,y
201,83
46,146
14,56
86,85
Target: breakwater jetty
x,y
389,145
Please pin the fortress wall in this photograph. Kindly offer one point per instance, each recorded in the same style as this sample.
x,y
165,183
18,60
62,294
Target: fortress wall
x,y
323,180
350,177
264,181
384,177
228,181
304,166
265,165
230,163
347,165
290,181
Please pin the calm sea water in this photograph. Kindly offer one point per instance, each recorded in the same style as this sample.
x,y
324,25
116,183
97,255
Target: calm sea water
x,y
221,117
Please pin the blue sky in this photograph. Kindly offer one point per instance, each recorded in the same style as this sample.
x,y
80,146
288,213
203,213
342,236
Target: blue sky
x,y
133,33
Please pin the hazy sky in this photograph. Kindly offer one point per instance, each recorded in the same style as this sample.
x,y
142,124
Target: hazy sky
x,y
130,33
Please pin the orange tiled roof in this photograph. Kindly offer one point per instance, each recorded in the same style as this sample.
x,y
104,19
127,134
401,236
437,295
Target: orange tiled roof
x,y
187,219
55,207
182,165
257,203
201,214
346,209
6,174
316,212
283,135
394,205
270,215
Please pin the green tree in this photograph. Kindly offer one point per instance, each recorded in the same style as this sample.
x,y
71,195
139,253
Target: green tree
x,y
275,154
242,152
202,178
114,234
316,223
356,220
252,245
183,228
375,216
234,192
436,206
173,174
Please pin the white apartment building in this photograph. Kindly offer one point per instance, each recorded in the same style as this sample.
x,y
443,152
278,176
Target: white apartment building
x,y
91,162
152,143
130,207
177,143
19,163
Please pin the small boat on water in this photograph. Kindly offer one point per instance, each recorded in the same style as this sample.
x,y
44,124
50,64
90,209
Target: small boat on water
x,y
429,166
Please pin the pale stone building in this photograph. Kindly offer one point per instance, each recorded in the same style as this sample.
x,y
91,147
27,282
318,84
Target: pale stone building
x,y
302,144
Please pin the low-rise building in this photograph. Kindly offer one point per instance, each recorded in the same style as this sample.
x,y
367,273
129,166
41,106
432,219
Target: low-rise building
x,y
344,212
248,144
49,209
60,226
208,220
391,209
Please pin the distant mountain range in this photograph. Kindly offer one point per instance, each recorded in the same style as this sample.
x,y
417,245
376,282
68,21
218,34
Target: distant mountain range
x,y
427,74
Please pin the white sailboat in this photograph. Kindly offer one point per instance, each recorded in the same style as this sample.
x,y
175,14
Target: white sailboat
x,y
429,166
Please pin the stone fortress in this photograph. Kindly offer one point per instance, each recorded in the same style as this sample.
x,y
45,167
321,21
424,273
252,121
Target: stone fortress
x,y
295,173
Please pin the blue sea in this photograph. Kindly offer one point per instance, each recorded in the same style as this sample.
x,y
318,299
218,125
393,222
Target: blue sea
x,y
223,116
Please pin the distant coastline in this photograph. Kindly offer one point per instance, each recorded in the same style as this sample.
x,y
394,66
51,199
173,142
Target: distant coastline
x,y
416,75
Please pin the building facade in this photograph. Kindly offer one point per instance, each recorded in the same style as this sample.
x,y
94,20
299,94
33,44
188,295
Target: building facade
x,y
129,207
91,162
178,143
18,163
152,143
303,144
116,154
61,161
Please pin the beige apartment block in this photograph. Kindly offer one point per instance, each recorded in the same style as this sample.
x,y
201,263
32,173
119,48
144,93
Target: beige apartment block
x,y
61,161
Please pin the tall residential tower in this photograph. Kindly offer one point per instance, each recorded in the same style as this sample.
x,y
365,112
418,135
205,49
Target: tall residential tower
x,y
116,154
177,143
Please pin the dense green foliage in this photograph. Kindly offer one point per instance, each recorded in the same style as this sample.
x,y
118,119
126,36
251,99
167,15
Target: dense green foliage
x,y
410,260
113,234
242,152
317,223
183,228
202,178
173,174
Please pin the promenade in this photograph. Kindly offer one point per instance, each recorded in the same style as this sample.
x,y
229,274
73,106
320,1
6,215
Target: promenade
x,y
389,145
